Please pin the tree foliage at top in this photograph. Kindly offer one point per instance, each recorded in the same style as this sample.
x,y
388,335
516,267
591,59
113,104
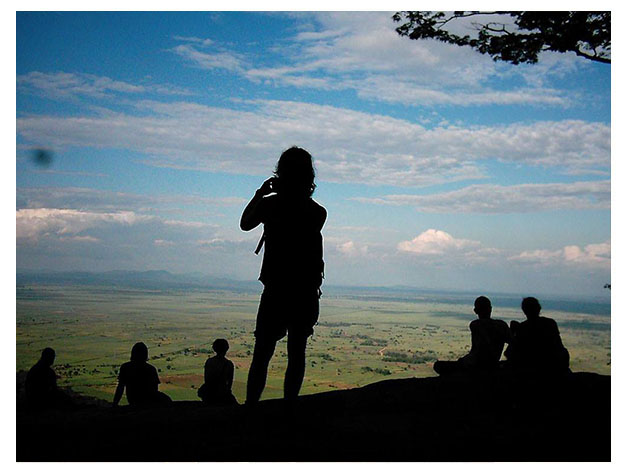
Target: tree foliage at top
x,y
587,34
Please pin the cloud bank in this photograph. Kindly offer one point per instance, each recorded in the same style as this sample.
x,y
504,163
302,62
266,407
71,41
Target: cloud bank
x,y
363,53
492,199
349,146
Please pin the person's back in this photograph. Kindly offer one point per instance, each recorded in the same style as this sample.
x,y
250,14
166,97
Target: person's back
x,y
41,381
488,337
488,340
141,381
537,343
41,385
293,241
219,373
218,376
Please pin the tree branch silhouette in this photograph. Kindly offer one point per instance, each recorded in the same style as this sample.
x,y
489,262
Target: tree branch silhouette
x,y
587,34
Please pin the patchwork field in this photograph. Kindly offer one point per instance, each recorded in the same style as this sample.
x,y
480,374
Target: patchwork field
x,y
359,339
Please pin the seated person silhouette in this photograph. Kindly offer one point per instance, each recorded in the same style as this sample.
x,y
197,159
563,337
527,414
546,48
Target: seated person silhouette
x,y
536,345
488,338
218,377
140,380
41,384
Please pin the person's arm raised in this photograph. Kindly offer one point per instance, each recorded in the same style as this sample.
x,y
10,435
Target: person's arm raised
x,y
250,217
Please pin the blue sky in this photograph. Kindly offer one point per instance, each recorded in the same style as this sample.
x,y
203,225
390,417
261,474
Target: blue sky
x,y
438,167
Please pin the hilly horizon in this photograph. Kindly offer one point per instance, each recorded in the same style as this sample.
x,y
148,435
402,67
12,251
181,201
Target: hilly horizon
x,y
161,276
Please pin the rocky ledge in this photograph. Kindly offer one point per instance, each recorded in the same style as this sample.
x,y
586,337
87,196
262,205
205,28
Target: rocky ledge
x,y
483,417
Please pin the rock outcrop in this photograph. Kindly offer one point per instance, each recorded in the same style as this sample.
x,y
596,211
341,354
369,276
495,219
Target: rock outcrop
x,y
495,417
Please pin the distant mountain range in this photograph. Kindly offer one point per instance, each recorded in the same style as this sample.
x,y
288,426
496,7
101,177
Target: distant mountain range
x,y
153,279
164,280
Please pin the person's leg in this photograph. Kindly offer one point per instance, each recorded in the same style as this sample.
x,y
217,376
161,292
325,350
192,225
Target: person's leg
x,y
262,354
295,373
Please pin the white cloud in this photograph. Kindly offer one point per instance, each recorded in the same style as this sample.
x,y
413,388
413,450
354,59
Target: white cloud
x,y
403,91
68,173
350,249
361,51
523,198
67,239
89,239
592,255
189,224
210,60
71,85
433,241
436,246
163,243
348,146
34,223
350,42
194,39
90,199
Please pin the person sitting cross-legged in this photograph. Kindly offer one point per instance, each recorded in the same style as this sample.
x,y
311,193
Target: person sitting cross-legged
x,y
141,381
218,377
488,337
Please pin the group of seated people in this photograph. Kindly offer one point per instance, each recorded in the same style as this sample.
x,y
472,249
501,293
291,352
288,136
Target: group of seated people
x,y
141,380
534,345
138,378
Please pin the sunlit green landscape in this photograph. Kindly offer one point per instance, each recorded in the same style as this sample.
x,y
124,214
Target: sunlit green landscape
x,y
360,338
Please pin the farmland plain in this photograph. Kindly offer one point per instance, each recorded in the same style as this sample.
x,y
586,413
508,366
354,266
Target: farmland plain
x,y
361,337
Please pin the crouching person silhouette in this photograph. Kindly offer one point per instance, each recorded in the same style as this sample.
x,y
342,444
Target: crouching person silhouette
x,y
537,345
488,338
292,269
218,377
140,380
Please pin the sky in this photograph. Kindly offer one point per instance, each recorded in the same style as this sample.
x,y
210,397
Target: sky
x,y
439,168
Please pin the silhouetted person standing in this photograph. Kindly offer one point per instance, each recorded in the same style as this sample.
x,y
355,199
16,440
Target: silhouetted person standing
x,y
488,338
536,345
140,379
219,373
292,268
41,383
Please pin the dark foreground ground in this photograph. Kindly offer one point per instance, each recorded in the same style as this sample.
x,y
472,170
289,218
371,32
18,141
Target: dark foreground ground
x,y
485,418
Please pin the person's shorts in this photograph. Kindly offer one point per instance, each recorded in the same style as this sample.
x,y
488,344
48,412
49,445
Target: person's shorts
x,y
282,311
